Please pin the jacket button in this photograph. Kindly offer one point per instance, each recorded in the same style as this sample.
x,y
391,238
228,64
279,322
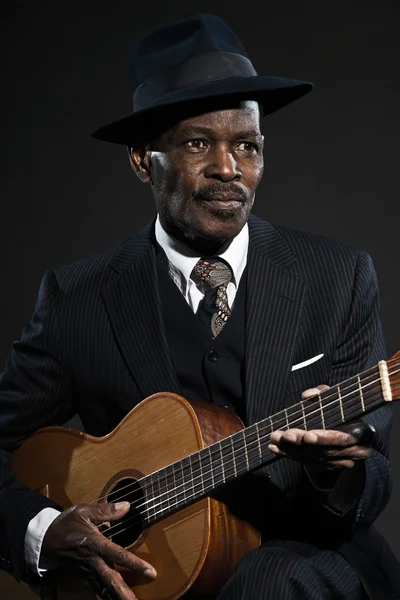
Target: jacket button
x,y
213,356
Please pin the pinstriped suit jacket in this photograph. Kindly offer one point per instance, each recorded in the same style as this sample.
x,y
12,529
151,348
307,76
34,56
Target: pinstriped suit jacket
x,y
96,346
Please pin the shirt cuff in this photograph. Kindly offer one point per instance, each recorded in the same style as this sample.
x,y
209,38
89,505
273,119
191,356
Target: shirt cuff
x,y
35,533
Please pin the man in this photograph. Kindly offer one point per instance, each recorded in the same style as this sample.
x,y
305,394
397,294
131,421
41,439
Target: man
x,y
214,304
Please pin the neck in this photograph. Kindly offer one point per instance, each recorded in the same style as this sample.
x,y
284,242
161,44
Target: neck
x,y
200,245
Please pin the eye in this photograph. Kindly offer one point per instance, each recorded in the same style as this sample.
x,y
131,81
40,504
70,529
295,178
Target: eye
x,y
248,147
197,144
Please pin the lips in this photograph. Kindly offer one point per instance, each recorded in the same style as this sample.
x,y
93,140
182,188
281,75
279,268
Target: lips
x,y
230,198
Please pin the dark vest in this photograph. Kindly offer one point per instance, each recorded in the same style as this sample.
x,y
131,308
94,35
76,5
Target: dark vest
x,y
208,369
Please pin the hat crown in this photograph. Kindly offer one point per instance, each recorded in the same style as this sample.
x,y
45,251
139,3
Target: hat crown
x,y
189,65
175,43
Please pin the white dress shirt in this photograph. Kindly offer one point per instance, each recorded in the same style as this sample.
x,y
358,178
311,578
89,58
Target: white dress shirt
x,y
181,259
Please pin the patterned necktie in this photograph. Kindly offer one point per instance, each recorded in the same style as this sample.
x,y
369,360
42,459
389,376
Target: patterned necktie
x,y
214,309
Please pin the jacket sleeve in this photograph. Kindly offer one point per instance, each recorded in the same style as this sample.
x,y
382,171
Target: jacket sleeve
x,y
362,493
35,391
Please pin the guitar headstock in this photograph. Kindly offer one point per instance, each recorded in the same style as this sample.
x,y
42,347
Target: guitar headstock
x,y
393,365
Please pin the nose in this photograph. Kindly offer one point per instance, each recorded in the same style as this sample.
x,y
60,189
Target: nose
x,y
222,165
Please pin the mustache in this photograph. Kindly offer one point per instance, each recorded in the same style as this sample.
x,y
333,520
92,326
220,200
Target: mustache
x,y
211,191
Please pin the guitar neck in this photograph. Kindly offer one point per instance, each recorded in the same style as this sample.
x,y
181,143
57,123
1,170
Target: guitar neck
x,y
201,473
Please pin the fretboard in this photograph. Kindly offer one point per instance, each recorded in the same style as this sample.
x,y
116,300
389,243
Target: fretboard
x,y
203,472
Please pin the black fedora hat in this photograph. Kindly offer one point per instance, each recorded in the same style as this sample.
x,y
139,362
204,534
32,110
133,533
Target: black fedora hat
x,y
192,61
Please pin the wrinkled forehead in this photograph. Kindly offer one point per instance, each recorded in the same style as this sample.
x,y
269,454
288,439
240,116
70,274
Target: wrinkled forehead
x,y
213,113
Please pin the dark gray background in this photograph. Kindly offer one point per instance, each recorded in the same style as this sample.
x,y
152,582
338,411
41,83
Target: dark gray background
x,y
331,158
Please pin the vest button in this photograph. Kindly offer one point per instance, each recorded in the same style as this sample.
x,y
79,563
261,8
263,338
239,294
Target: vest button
x,y
213,356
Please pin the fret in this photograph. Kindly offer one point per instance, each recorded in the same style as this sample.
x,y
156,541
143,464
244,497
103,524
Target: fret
x,y
361,393
150,502
322,410
201,474
197,478
304,416
222,463
340,402
211,467
191,478
258,441
181,487
233,457
157,488
294,416
217,465
165,488
272,424
287,419
253,447
245,448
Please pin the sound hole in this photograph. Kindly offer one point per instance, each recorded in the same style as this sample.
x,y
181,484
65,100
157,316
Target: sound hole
x,y
126,531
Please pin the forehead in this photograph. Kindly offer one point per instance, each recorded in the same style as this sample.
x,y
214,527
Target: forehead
x,y
245,117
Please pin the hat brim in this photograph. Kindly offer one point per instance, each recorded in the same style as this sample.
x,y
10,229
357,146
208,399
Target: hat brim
x,y
272,93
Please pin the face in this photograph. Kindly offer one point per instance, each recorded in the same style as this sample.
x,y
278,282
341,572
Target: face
x,y
204,174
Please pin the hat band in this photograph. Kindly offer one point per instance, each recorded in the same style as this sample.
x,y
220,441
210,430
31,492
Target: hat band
x,y
197,70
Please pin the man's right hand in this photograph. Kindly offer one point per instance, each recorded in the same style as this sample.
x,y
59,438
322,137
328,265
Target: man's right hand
x,y
74,540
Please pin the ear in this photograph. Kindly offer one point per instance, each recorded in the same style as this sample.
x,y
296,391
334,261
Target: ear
x,y
139,159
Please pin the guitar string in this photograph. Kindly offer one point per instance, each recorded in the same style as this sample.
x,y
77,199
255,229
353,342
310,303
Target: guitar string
x,y
217,449
193,485
299,412
184,483
194,495
192,482
137,521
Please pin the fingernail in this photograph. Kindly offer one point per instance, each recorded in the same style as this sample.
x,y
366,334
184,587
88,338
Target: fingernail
x,y
312,437
151,573
121,505
310,393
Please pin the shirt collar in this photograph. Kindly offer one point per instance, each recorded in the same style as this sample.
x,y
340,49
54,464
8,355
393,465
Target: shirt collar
x,y
184,258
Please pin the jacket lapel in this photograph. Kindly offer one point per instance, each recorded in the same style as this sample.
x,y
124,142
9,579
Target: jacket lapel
x,y
133,306
274,302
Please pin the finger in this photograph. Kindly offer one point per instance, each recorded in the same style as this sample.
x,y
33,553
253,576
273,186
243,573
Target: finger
x,y
353,453
276,450
291,435
329,437
111,552
315,391
109,583
321,437
100,513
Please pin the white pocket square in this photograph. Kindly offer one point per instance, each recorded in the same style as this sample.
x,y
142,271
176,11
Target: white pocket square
x,y
305,363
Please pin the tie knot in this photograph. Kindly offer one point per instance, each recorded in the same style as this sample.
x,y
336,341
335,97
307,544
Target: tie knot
x,y
213,272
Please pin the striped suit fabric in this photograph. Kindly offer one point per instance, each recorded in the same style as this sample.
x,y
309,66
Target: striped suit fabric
x,y
96,346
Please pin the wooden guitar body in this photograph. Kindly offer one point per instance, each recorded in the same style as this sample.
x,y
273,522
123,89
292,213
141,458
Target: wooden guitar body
x,y
194,550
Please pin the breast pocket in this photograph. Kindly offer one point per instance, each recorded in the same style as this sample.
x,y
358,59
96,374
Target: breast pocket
x,y
308,375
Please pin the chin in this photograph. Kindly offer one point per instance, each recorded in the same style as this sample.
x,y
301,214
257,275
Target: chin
x,y
225,225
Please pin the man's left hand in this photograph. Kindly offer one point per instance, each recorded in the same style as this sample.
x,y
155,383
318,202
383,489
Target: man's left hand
x,y
324,449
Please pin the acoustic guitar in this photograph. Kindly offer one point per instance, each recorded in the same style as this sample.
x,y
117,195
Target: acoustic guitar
x,y
166,458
